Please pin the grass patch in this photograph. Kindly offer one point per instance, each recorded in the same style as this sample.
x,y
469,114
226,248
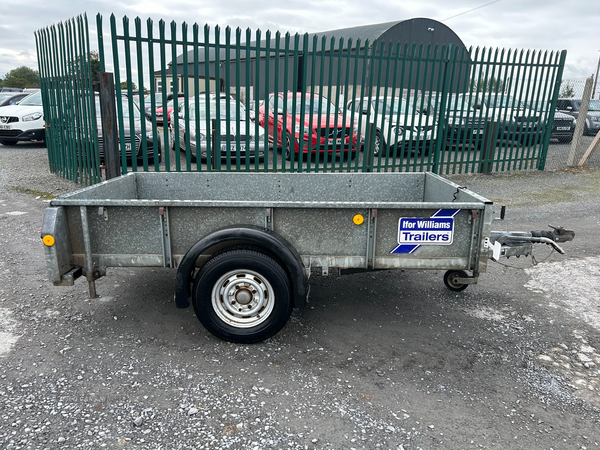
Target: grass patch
x,y
32,192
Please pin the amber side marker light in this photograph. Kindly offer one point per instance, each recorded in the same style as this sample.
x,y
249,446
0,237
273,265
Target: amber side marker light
x,y
48,240
358,219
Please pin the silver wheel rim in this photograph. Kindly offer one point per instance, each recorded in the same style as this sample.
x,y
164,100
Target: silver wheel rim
x,y
377,144
243,298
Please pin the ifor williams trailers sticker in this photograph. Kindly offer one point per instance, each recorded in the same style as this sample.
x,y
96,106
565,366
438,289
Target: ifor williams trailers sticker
x,y
436,230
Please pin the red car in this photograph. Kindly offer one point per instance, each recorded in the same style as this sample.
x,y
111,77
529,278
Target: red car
x,y
160,113
329,131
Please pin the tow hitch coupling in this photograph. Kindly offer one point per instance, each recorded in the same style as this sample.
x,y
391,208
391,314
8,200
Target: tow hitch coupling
x,y
517,243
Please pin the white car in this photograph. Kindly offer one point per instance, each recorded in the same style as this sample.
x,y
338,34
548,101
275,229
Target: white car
x,y
23,122
398,124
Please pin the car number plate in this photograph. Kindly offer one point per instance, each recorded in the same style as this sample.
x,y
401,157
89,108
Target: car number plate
x,y
479,131
563,128
233,148
5,127
338,141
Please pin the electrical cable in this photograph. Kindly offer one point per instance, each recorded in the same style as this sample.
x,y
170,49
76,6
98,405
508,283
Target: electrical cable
x,y
472,9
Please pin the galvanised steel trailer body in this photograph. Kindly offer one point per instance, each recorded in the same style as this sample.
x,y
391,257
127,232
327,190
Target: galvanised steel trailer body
x,y
244,244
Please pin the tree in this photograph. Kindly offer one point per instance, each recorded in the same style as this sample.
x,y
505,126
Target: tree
x,y
94,65
489,85
22,77
566,90
124,85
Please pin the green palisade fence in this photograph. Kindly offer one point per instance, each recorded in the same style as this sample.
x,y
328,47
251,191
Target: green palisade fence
x,y
254,101
68,99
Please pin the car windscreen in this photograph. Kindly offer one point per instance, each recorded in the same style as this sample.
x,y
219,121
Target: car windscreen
x,y
504,101
307,107
393,106
213,111
594,105
125,102
34,99
453,103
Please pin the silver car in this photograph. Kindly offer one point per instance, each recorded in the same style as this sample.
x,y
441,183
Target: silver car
x,y
228,138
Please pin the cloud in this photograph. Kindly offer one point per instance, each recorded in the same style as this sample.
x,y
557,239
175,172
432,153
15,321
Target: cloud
x,y
516,24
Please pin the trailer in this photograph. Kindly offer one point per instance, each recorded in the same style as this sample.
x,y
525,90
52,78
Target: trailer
x,y
245,244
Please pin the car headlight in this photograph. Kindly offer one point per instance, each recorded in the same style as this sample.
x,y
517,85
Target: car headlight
x,y
297,129
149,135
32,116
399,131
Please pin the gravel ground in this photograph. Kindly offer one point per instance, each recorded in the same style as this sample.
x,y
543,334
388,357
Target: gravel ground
x,y
389,360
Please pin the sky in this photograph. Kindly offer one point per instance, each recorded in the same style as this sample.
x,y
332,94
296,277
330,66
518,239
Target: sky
x,y
572,25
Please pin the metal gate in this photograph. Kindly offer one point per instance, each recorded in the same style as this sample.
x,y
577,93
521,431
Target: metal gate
x,y
68,100
246,101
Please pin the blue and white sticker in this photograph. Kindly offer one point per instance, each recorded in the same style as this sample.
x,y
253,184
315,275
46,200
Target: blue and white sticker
x,y
436,230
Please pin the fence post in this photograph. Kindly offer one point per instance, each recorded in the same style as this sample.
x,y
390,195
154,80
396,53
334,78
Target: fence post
x,y
108,116
369,147
216,146
583,110
441,132
489,143
552,110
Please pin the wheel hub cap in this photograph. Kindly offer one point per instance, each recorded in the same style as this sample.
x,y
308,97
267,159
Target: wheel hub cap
x,y
243,298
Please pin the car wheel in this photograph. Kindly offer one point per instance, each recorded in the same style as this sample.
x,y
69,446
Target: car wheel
x,y
379,145
172,139
426,148
242,296
288,149
3,142
158,153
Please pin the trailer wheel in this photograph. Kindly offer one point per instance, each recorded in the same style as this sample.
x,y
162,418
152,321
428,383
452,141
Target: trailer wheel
x,y
451,280
242,296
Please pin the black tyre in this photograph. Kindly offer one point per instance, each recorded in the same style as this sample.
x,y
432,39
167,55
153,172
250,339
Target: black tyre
x,y
3,142
451,280
172,138
288,149
379,145
242,296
